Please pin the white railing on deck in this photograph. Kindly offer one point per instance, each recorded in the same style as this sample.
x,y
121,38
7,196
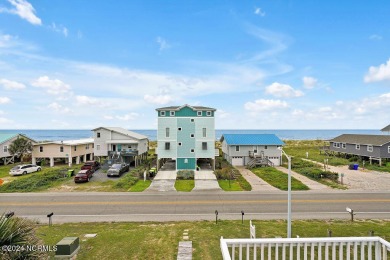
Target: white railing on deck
x,y
216,152
362,248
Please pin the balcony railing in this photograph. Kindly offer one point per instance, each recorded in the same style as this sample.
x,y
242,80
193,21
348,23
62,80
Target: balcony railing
x,y
130,152
370,248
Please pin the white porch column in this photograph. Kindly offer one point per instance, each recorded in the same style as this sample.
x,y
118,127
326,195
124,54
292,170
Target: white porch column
x,y
34,160
77,159
51,161
84,157
70,161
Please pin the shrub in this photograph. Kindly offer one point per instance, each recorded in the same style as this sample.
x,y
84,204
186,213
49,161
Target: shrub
x,y
185,175
127,181
225,173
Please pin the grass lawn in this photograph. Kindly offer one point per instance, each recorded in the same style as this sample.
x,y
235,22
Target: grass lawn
x,y
278,179
160,240
234,185
4,170
140,185
184,185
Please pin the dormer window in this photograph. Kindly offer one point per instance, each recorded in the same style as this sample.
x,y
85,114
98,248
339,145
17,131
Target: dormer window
x,y
172,113
208,113
199,113
162,113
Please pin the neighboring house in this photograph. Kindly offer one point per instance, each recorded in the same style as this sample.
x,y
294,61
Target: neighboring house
x,y
374,147
5,141
70,151
386,129
186,134
252,149
120,144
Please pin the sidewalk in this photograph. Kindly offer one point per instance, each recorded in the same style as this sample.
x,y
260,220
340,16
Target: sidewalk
x,y
256,183
313,185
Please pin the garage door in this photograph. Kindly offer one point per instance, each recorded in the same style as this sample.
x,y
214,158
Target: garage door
x,y
237,161
275,160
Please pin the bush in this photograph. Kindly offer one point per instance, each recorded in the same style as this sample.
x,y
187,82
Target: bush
x,y
185,175
127,181
312,171
225,173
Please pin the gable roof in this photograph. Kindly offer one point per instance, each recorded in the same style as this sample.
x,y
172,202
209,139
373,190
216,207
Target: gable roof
x,y
377,140
123,131
8,136
386,129
195,108
251,139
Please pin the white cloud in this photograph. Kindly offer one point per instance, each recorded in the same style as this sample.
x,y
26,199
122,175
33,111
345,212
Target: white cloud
x,y
60,29
282,90
127,117
222,114
378,73
158,99
162,43
59,108
375,37
85,100
309,82
24,10
4,100
8,84
261,105
52,86
258,11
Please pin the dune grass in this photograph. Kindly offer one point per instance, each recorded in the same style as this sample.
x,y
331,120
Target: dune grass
x,y
278,179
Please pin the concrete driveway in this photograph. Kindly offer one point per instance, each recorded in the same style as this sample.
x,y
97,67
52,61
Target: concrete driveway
x,y
206,181
164,179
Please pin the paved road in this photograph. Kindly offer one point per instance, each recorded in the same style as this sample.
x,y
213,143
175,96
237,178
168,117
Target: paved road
x,y
93,206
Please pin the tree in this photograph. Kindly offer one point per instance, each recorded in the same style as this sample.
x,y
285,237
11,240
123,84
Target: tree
x,y
18,233
20,147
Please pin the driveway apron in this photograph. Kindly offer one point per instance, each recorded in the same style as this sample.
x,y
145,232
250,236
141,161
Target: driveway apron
x,y
163,181
206,181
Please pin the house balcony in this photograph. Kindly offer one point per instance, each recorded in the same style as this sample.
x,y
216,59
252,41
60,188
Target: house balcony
x,y
128,152
306,248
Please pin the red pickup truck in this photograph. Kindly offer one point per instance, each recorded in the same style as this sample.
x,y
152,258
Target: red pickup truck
x,y
91,165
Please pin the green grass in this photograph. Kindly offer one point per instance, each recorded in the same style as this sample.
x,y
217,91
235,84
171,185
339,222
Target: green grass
x,y
184,185
140,185
234,185
160,240
4,170
243,183
278,179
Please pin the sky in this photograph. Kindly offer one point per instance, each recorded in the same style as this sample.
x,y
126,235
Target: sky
x,y
69,64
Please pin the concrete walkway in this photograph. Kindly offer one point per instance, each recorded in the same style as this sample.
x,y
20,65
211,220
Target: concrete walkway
x,y
163,181
206,181
313,185
257,183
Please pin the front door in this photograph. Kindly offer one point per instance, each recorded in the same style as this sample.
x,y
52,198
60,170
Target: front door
x,y
255,150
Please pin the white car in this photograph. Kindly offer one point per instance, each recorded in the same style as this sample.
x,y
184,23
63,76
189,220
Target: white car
x,y
24,169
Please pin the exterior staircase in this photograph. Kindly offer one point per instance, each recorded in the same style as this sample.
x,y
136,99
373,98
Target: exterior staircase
x,y
259,160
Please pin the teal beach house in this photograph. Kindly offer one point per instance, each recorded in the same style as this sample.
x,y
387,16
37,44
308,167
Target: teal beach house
x,y
186,135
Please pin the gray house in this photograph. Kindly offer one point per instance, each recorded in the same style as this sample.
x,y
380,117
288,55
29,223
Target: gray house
x,y
5,141
252,149
374,147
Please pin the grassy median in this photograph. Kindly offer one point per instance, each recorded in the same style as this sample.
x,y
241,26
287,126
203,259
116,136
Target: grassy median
x,y
160,240
278,179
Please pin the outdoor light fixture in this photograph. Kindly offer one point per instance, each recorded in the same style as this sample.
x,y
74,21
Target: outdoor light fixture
x,y
289,194
9,214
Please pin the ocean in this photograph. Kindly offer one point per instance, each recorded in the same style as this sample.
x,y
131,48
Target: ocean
x,y
60,135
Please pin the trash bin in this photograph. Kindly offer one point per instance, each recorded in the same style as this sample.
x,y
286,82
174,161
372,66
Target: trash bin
x,y
152,172
355,167
70,173
351,166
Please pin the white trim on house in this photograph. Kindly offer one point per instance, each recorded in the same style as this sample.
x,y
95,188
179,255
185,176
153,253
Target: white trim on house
x,y
370,148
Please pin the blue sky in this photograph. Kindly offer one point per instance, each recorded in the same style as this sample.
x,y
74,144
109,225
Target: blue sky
x,y
262,64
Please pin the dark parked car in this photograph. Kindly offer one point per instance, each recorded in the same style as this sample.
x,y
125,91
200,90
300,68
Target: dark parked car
x,y
91,165
117,169
83,176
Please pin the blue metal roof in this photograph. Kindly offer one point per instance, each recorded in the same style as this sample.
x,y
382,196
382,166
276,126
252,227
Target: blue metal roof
x,y
251,139
5,137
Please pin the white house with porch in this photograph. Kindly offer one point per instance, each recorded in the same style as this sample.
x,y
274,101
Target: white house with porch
x,y
69,151
5,141
120,144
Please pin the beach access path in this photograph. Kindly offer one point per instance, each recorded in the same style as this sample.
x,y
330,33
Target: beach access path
x,y
360,179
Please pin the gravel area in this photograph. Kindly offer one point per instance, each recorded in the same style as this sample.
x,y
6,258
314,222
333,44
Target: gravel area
x,y
101,176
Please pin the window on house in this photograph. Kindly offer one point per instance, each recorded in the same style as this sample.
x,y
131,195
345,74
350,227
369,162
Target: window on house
x,y
167,132
179,129
204,145
98,147
167,146
334,144
388,149
199,113
5,148
180,144
75,148
87,146
337,145
204,130
192,150
192,120
185,160
192,135
98,135
265,147
237,148
370,148
208,113
358,147
343,145
61,149
93,145
40,149
172,113
162,113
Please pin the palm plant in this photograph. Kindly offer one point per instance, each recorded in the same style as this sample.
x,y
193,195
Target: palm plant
x,y
18,233
20,147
